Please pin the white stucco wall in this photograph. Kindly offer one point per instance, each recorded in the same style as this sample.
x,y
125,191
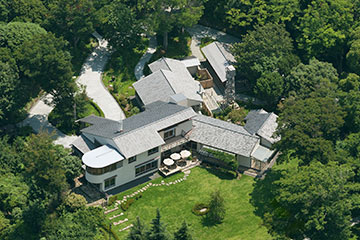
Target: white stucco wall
x,y
124,174
265,143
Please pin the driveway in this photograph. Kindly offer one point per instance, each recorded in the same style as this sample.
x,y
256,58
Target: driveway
x,y
198,32
139,68
91,78
38,120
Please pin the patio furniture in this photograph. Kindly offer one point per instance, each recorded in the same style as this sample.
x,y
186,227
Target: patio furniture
x,y
185,154
175,156
168,162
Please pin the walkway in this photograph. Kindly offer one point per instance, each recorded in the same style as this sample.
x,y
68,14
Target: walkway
x,y
139,68
91,78
198,32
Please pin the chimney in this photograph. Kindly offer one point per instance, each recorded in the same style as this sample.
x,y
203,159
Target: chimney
x,y
119,126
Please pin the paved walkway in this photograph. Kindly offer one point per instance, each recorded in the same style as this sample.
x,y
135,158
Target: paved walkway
x,y
91,78
139,68
198,32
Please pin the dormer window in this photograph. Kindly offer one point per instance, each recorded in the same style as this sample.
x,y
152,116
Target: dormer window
x,y
169,133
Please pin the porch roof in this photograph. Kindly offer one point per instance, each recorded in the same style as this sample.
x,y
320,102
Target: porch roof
x,y
262,153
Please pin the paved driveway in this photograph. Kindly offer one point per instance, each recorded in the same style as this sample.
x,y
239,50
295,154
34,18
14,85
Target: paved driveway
x,y
91,78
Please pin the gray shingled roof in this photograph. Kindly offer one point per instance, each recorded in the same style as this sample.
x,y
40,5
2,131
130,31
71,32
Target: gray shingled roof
x,y
83,144
92,119
140,132
219,58
169,77
154,87
222,135
262,123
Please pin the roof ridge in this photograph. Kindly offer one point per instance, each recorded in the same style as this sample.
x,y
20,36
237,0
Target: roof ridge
x,y
267,118
167,80
249,135
146,125
216,43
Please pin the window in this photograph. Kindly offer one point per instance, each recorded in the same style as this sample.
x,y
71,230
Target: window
x,y
99,171
152,151
146,168
110,182
132,159
169,133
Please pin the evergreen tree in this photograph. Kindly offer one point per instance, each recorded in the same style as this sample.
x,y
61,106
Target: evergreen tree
x,y
158,229
217,208
183,233
137,232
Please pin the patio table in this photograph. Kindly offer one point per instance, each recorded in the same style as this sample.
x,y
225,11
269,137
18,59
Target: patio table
x,y
168,162
175,156
185,154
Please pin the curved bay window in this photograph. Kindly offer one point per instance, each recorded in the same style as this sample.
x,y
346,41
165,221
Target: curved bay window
x,y
99,171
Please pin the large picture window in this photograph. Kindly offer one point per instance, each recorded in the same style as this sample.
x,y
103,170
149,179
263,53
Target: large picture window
x,y
110,182
139,170
153,150
99,171
169,133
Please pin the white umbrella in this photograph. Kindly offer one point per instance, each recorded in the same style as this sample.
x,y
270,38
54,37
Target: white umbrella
x,y
168,162
185,153
175,156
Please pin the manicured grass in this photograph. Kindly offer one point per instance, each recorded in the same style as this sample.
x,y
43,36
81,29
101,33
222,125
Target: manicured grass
x,y
176,201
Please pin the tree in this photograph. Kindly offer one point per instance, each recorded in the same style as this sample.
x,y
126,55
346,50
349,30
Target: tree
x,y
13,34
158,229
310,127
351,105
73,202
269,87
183,233
163,15
9,96
323,29
351,82
137,232
266,49
47,54
304,79
311,201
216,213
72,19
121,26
71,164
27,11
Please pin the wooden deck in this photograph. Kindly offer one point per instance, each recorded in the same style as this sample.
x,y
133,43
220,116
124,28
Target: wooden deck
x,y
188,164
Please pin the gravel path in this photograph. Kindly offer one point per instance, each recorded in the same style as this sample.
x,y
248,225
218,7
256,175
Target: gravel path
x,y
139,68
91,78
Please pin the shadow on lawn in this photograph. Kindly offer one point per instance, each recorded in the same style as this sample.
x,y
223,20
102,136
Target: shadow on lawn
x,y
220,173
206,222
263,194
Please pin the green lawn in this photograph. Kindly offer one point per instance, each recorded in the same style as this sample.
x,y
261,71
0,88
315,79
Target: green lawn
x,y
176,201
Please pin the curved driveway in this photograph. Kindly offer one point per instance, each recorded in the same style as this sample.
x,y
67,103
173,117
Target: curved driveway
x,y
91,78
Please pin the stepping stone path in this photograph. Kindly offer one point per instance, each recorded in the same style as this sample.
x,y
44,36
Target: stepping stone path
x,y
111,210
115,216
143,189
121,221
126,228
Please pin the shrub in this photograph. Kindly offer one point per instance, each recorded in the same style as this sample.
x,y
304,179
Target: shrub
x,y
126,205
196,209
112,199
138,196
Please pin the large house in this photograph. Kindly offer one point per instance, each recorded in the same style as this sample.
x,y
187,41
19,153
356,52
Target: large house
x,y
118,152
170,80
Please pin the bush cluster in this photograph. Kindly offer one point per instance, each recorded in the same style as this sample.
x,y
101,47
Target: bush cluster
x,y
196,209
125,205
